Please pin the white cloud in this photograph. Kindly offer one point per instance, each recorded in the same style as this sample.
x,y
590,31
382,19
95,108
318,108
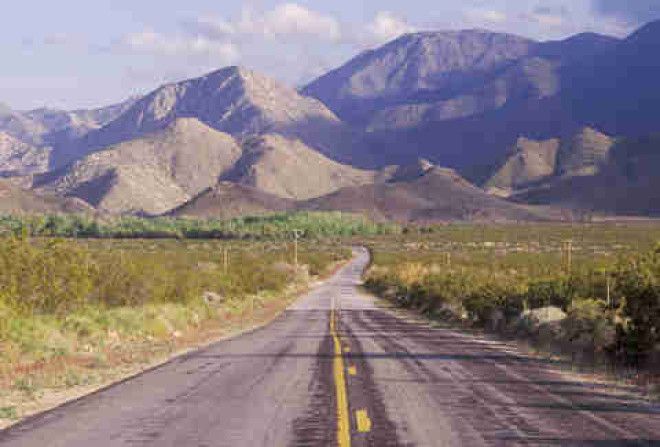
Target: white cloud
x,y
213,28
485,16
149,41
387,26
548,20
289,41
289,21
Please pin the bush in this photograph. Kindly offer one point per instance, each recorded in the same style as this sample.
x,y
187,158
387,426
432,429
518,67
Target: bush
x,y
638,292
629,325
589,325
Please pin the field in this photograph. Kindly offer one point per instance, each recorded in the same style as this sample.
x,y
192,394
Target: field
x,y
591,292
78,313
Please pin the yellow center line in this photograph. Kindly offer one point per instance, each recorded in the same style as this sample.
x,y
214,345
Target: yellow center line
x,y
363,421
343,419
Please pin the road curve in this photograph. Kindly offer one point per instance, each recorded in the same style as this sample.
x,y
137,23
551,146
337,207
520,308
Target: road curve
x,y
335,369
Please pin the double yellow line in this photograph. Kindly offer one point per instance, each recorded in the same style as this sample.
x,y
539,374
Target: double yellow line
x,y
343,415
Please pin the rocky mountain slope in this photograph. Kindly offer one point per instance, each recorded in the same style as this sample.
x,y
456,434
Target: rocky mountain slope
x,y
228,200
627,183
234,100
151,174
436,194
29,140
616,90
531,163
18,158
460,99
288,168
16,200
162,170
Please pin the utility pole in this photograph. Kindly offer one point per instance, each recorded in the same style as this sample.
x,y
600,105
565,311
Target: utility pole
x,y
567,249
609,299
225,259
297,234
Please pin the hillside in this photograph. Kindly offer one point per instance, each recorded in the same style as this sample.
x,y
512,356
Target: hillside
x,y
415,68
234,100
228,200
152,174
18,158
584,153
616,90
15,200
438,194
460,99
531,163
290,169
627,184
47,132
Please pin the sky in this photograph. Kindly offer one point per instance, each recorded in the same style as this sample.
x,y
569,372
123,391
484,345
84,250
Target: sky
x,y
88,53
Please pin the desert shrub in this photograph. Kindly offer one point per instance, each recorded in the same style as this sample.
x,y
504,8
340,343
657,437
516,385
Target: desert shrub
x,y
621,316
549,292
589,325
638,292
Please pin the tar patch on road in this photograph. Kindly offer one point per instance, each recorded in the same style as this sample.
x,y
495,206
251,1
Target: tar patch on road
x,y
365,399
318,427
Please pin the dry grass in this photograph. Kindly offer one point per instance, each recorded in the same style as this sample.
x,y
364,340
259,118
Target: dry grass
x,y
55,352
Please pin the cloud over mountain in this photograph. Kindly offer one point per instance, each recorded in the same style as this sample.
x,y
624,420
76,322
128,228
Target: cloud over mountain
x,y
636,11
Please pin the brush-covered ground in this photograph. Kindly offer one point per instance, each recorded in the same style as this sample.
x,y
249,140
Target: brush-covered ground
x,y
599,307
78,314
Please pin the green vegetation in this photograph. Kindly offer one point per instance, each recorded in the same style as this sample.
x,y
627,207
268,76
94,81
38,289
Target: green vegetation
x,y
601,302
275,226
73,310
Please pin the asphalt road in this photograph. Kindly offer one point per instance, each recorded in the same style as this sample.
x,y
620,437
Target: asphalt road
x,y
335,369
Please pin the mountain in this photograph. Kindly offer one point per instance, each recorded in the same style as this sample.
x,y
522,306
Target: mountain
x,y
626,184
15,200
151,174
234,100
437,194
29,140
228,200
18,158
531,163
44,126
459,99
616,90
164,169
416,68
584,153
288,168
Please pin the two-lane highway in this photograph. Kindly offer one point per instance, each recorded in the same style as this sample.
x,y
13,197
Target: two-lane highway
x,y
335,369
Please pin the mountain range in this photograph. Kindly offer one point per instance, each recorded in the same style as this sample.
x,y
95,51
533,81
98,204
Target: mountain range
x,y
460,125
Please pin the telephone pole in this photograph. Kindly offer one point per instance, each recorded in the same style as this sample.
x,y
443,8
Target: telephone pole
x,y
297,234
567,249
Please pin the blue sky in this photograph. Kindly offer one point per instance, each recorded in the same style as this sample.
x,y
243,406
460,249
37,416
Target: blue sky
x,y
84,53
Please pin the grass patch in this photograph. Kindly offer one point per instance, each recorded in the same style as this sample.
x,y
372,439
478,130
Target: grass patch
x,y
9,413
74,313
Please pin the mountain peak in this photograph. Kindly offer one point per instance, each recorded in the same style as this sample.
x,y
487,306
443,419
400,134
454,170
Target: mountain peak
x,y
647,35
233,99
416,65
